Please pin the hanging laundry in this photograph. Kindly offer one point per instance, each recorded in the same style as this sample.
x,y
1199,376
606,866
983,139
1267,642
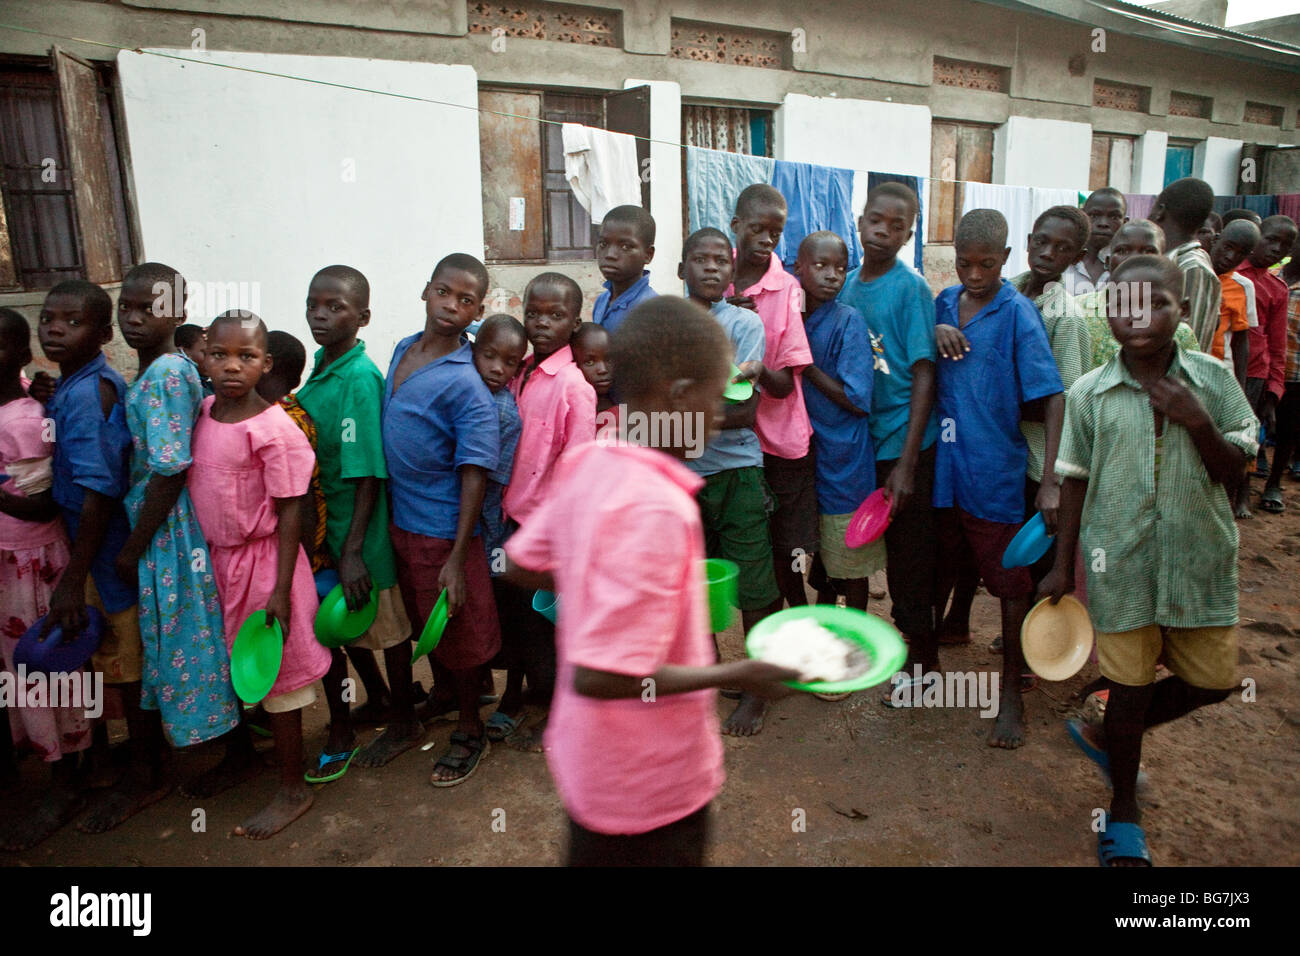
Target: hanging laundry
x,y
1265,205
601,169
1288,204
1016,203
1139,205
715,179
816,197
918,186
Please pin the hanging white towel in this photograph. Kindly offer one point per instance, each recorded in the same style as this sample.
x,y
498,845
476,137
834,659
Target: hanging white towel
x,y
1016,203
601,169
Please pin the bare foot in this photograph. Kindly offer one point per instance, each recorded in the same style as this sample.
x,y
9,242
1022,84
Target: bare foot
x,y
1009,728
58,807
530,740
285,807
233,769
393,740
122,803
1242,511
747,719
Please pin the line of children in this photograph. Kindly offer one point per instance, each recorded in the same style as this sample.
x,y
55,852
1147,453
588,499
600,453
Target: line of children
x,y
1287,432
1179,210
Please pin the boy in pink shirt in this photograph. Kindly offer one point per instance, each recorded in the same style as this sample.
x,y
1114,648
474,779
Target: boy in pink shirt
x,y
633,738
558,409
762,285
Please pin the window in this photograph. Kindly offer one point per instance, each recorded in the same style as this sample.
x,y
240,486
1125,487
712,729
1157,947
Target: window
x,y
1120,96
1263,114
735,46
529,212
959,152
971,76
1112,162
1189,104
63,213
560,22
729,128
1178,159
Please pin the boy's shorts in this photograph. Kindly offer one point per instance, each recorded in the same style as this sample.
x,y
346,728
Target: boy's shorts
x,y
794,522
839,559
473,636
987,541
120,656
1205,657
734,505
391,625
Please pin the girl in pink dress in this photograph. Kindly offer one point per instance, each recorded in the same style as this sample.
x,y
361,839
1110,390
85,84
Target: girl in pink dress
x,y
252,467
33,553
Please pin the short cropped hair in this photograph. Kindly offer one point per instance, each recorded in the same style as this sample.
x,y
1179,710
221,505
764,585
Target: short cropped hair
x,y
586,331
699,235
288,355
1240,230
1144,224
1215,220
1071,214
188,335
986,227
154,274
466,263
14,327
895,190
755,195
637,218
1109,191
1232,215
95,303
244,319
1170,275
1188,201
813,238
665,339
557,280
356,283
1285,222
500,324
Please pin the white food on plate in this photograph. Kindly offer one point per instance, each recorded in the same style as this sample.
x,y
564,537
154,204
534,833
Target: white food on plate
x,y
812,650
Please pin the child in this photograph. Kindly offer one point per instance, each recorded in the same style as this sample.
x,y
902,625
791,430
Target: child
x,y
896,303
1107,210
252,468
1287,433
288,359
1231,338
838,404
498,352
91,476
344,397
625,246
591,354
1179,210
1135,237
441,441
1209,231
186,673
1150,438
1265,374
33,551
558,410
734,500
633,742
762,285
189,340
982,457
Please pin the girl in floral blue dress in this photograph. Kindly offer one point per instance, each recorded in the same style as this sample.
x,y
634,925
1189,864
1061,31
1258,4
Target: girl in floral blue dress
x,y
186,666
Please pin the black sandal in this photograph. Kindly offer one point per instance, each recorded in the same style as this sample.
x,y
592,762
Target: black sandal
x,y
477,747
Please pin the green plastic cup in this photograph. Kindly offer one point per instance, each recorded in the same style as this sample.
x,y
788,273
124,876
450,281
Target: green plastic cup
x,y
722,578
546,604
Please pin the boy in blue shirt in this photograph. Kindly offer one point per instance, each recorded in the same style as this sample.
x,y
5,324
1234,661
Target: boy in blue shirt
x,y
735,501
625,245
982,456
838,403
92,455
441,441
898,307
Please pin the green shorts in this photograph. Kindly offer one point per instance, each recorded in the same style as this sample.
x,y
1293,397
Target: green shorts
x,y
841,561
734,506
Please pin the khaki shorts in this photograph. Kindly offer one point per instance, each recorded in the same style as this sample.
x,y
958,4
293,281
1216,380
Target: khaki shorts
x,y
298,699
120,657
1205,657
839,559
391,626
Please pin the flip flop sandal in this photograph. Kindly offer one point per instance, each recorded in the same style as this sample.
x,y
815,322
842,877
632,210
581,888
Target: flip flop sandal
x,y
501,725
1122,841
324,760
1271,501
1098,756
910,687
478,749
832,697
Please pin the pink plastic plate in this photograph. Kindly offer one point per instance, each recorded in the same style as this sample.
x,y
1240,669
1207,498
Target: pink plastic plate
x,y
869,521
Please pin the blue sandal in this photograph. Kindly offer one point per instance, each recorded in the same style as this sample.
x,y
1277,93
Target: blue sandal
x,y
324,760
1098,756
1122,841
501,725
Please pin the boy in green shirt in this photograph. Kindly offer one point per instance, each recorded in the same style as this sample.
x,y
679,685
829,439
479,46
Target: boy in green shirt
x,y
1151,441
344,396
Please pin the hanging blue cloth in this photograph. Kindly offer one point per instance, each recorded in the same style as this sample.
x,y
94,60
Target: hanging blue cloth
x,y
913,183
1265,205
817,197
715,179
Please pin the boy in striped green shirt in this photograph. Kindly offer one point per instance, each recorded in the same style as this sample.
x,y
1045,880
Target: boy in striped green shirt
x,y
1152,444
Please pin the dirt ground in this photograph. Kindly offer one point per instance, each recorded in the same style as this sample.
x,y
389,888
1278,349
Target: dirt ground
x,y
876,786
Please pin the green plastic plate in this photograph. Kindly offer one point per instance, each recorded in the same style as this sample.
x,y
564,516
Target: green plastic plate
x,y
880,639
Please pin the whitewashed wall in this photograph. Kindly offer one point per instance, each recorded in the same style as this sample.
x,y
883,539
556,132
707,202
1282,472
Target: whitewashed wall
x,y
665,182
1149,162
1053,154
247,178
1218,162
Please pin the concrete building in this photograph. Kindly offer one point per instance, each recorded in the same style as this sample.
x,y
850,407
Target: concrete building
x,y
251,142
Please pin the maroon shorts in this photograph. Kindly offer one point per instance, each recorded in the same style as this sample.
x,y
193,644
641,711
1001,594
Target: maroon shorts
x,y
987,541
473,636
